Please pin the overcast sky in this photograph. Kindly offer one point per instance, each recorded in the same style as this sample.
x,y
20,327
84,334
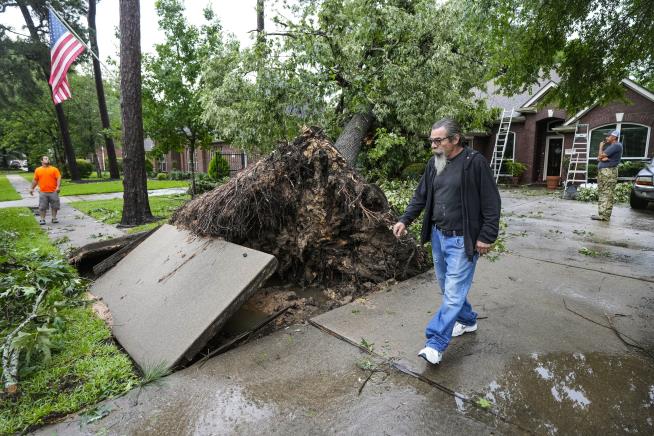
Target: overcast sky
x,y
237,17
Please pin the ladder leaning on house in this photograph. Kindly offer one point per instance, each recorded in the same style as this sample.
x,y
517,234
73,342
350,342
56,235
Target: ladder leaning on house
x,y
578,166
501,140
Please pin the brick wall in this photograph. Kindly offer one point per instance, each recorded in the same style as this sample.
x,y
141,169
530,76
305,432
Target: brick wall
x,y
639,111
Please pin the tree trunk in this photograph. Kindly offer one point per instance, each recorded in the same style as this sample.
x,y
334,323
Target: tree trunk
x,y
136,208
192,161
61,117
350,139
96,161
102,103
260,17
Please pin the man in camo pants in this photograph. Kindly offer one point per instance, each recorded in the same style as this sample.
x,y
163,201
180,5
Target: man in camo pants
x,y
610,153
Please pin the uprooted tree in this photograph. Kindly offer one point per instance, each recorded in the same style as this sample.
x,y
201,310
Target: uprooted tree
x,y
305,205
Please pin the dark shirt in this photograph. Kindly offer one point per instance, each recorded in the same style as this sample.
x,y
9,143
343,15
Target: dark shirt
x,y
614,152
447,213
481,202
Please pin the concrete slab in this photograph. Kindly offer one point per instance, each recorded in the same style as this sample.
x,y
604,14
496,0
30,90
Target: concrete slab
x,y
527,327
296,381
174,291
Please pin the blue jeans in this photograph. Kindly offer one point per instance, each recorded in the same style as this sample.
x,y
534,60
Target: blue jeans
x,y
454,273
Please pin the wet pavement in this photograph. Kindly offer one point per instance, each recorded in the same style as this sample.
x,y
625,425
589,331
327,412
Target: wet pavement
x,y
295,381
545,355
565,346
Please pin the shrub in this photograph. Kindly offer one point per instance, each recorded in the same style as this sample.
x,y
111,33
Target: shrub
x,y
586,193
592,171
622,192
630,168
179,175
203,183
148,166
218,168
85,168
388,154
589,193
162,176
516,169
414,170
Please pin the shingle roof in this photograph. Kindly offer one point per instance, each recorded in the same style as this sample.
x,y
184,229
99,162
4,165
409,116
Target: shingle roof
x,y
496,99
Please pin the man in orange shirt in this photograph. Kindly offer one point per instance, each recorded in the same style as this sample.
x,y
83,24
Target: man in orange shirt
x,y
49,180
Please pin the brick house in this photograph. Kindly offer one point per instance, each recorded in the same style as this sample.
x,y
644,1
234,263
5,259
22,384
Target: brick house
x,y
539,135
181,160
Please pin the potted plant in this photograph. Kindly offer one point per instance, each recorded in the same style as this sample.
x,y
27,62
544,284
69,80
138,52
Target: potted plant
x,y
516,169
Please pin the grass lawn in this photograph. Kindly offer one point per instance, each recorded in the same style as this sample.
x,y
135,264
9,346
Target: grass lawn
x,y
72,188
109,211
7,191
85,365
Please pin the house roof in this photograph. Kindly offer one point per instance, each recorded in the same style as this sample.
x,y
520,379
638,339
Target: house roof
x,y
628,83
495,98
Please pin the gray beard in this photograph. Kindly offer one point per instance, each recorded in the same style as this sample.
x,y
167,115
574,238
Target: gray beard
x,y
439,163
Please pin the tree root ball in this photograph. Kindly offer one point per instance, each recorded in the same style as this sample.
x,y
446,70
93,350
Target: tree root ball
x,y
315,214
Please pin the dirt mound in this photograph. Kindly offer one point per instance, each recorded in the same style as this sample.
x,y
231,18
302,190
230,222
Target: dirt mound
x,y
308,208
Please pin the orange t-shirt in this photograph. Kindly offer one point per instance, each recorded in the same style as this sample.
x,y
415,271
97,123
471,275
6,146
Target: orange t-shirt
x,y
47,178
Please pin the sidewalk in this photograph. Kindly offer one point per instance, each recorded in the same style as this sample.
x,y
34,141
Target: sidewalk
x,y
75,228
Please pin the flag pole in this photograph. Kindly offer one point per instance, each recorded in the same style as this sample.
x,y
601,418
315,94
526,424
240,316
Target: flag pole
x,y
65,23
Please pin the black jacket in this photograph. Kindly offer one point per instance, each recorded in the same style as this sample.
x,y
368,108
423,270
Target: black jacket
x,y
479,196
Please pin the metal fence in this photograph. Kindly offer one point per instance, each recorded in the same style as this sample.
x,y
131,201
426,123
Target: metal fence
x,y
238,161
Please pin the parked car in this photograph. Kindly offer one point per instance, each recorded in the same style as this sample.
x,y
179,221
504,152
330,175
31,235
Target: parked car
x,y
642,191
18,164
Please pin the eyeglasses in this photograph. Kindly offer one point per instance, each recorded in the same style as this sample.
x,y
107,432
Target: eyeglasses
x,y
438,141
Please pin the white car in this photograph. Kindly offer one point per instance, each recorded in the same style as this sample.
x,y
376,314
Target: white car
x,y
642,191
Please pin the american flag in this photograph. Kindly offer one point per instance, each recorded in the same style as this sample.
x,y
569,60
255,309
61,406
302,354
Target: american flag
x,y
64,49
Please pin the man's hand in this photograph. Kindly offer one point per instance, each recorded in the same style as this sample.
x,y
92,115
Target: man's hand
x,y
57,190
399,229
482,247
32,192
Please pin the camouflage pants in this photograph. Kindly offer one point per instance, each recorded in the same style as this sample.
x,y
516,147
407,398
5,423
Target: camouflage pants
x,y
607,178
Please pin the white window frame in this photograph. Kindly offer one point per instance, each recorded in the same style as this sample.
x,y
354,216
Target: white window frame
x,y
162,163
547,153
618,126
515,138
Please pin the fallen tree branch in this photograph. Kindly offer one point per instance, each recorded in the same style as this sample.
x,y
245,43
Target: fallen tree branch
x,y
619,334
10,356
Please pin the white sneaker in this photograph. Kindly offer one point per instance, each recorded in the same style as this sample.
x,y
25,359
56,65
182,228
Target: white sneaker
x,y
460,329
431,355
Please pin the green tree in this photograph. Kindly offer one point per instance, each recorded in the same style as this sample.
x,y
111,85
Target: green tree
x,y
591,44
102,100
28,126
86,127
173,113
348,65
35,16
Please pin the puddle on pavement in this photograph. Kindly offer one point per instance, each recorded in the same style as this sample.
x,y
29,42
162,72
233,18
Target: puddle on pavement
x,y
578,393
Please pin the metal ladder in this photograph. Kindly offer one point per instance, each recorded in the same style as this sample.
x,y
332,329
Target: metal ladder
x,y
500,143
578,166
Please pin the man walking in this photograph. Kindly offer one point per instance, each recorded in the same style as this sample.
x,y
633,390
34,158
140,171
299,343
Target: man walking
x,y
610,154
49,180
462,214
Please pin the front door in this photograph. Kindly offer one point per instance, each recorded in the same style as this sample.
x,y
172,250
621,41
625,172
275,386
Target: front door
x,y
553,156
